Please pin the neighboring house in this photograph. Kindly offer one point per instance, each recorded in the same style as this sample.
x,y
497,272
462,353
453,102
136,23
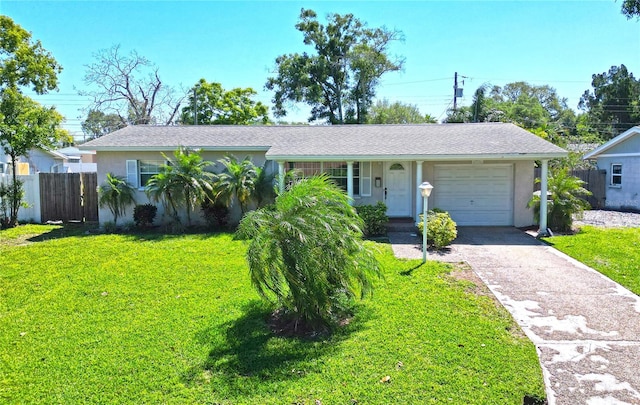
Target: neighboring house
x,y
482,173
620,157
66,160
4,163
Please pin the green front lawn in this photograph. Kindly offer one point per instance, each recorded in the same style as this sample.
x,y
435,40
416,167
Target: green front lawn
x,y
614,252
173,319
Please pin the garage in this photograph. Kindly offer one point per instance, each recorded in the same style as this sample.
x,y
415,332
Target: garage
x,y
475,194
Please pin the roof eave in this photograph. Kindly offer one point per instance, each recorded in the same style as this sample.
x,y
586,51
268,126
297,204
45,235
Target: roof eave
x,y
170,148
613,142
455,157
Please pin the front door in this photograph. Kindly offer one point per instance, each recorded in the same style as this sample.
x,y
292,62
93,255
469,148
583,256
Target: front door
x,y
397,189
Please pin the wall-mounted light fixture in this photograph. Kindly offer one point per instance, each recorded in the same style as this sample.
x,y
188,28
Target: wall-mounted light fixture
x,y
378,182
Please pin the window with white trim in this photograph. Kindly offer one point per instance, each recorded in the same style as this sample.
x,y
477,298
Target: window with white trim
x,y
616,174
337,171
139,172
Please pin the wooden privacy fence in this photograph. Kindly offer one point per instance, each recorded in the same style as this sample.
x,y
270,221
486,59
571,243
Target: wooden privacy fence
x,y
595,181
69,197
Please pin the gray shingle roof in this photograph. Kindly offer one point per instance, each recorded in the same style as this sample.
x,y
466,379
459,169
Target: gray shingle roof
x,y
429,141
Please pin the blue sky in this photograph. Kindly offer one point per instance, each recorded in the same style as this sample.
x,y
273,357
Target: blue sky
x,y
559,43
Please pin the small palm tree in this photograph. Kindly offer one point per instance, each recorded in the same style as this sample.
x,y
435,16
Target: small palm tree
x,y
116,194
306,251
564,200
237,181
264,191
183,182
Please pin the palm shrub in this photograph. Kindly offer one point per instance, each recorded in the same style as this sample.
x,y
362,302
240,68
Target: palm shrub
x,y
306,253
183,182
564,200
441,229
116,194
264,191
237,181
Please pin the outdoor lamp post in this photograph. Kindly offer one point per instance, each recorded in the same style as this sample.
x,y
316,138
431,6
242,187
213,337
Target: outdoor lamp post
x,y
425,190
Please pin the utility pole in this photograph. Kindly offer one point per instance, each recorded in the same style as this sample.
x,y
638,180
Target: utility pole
x,y
457,91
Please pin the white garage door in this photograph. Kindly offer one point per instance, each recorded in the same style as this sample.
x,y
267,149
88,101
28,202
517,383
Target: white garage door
x,y
475,194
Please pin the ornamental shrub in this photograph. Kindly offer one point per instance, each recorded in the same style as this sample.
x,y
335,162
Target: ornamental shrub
x,y
441,229
215,213
143,215
374,217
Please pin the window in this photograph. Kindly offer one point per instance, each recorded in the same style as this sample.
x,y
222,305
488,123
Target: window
x,y
337,171
140,171
2,167
616,174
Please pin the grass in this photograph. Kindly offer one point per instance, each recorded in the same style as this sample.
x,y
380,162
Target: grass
x,y
614,252
173,319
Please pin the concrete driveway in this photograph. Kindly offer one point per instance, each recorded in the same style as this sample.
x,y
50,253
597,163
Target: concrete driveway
x,y
585,326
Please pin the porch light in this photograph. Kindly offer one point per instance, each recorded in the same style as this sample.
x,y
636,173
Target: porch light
x,y
425,190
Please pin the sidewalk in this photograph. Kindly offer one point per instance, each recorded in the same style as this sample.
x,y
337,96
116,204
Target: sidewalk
x,y
585,326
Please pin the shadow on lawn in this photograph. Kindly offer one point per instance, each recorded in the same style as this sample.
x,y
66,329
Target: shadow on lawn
x,y
250,357
65,231
85,230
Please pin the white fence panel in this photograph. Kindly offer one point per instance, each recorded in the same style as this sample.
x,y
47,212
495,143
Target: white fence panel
x,y
31,197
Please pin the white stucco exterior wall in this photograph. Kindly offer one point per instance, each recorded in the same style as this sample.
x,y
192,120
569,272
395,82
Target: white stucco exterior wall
x,y
115,163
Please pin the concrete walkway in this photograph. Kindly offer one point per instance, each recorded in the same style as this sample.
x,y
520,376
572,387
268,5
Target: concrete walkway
x,y
585,326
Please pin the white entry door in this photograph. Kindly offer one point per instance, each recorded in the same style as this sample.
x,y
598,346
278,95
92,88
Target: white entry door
x,y
397,189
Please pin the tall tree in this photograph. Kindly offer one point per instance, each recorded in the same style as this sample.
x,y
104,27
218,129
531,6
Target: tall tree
x,y
385,112
631,8
613,106
129,86
98,124
217,106
24,124
536,108
24,62
340,78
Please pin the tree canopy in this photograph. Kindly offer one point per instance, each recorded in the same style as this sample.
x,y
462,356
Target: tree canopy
x,y
130,87
631,8
98,123
216,106
385,112
24,124
339,79
24,62
613,105
536,108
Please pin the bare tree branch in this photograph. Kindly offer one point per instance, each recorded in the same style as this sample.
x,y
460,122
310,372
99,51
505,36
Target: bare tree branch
x,y
129,86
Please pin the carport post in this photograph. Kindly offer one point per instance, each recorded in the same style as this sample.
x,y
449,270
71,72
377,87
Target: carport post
x,y
544,173
281,177
350,181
